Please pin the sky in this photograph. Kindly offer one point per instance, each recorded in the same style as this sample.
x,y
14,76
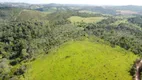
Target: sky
x,y
92,2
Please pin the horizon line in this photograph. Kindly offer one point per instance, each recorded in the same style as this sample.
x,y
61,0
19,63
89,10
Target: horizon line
x,y
69,4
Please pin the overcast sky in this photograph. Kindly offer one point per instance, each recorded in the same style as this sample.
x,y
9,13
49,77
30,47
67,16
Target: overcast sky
x,y
92,2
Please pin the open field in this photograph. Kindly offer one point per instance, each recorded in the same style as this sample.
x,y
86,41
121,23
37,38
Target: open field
x,y
86,20
83,60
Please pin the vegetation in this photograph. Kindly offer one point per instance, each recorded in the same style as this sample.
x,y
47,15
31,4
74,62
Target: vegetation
x,y
49,36
136,20
93,60
21,41
125,35
8,14
25,15
74,19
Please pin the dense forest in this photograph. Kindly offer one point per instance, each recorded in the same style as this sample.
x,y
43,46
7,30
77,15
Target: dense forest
x,y
31,31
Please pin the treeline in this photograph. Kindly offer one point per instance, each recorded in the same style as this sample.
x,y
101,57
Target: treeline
x,y
102,10
98,9
136,20
125,35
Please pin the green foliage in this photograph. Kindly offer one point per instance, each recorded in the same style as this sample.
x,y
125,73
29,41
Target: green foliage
x,y
4,69
25,34
58,18
75,19
108,21
63,17
24,40
8,13
136,20
30,15
125,35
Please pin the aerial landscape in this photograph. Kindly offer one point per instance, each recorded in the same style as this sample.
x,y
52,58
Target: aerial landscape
x,y
70,41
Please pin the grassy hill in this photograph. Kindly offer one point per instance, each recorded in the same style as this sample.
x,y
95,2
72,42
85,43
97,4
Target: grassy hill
x,y
83,60
31,15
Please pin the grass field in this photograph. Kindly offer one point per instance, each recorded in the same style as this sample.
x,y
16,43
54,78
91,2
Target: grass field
x,y
83,60
87,20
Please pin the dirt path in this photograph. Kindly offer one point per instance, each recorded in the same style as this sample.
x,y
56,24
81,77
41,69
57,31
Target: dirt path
x,y
138,70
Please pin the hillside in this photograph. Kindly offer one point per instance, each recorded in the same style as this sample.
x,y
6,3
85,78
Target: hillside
x,y
69,42
25,15
89,59
8,13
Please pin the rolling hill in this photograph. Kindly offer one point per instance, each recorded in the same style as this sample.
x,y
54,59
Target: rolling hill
x,y
69,42
30,15
83,60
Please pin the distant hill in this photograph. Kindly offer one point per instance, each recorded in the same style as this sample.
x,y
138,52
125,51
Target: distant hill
x,y
30,15
102,9
129,7
9,13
